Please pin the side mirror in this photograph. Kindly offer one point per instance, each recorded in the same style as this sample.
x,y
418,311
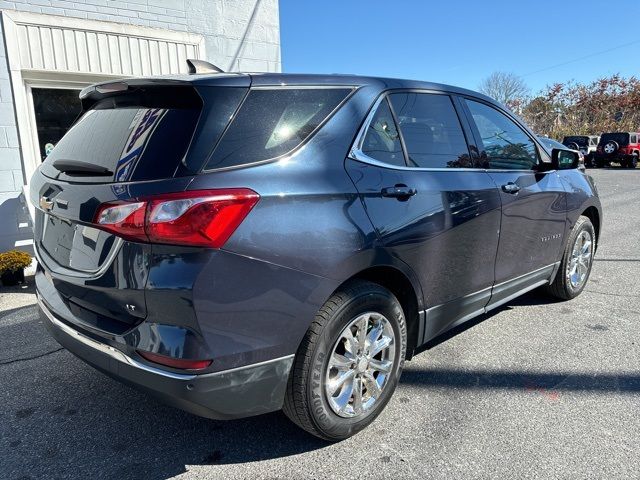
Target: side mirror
x,y
564,159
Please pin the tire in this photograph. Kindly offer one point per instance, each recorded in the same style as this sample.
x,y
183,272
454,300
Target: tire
x,y
307,402
633,161
611,147
563,286
573,146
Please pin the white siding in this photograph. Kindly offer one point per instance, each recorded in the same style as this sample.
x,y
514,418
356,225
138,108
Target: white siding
x,y
91,51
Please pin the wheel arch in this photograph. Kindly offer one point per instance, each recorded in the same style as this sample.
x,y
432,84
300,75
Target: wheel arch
x,y
592,214
403,288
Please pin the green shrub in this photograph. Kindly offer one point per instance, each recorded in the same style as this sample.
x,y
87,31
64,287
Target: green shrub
x,y
14,260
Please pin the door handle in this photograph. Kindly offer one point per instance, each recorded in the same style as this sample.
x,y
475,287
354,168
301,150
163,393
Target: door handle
x,y
510,188
401,192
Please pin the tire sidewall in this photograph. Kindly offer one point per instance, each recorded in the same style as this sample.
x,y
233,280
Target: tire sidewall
x,y
326,421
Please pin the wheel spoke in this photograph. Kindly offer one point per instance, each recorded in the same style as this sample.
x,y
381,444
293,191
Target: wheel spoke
x,y
357,395
351,343
383,366
336,383
380,345
374,334
342,400
361,333
341,362
582,271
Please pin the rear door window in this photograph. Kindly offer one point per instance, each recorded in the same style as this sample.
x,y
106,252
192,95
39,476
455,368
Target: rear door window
x,y
431,130
272,122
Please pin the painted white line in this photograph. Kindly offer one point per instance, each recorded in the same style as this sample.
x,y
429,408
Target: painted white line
x,y
23,243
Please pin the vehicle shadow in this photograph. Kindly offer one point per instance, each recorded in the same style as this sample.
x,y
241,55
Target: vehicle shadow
x,y
62,419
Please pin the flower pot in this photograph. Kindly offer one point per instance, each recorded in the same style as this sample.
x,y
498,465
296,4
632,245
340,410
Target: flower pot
x,y
12,278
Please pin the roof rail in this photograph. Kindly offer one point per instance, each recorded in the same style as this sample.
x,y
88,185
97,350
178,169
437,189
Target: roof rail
x,y
201,66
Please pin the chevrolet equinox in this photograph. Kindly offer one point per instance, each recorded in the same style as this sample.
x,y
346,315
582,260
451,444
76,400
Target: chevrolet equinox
x,y
236,244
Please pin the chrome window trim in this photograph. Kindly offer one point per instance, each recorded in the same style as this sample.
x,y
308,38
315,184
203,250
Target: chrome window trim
x,y
293,86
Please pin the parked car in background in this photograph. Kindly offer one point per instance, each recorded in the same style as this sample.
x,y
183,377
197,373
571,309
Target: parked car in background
x,y
240,243
586,144
618,147
551,144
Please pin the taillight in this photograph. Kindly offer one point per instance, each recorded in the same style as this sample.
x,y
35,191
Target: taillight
x,y
125,219
205,218
181,363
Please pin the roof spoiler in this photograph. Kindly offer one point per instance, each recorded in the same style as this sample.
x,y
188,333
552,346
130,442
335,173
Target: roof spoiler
x,y
201,66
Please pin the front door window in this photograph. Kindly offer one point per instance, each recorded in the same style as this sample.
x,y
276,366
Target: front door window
x,y
55,111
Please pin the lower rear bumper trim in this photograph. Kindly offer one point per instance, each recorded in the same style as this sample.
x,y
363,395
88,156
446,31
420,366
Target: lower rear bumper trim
x,y
240,392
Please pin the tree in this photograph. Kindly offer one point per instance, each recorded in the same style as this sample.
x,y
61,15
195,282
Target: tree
x,y
507,88
605,105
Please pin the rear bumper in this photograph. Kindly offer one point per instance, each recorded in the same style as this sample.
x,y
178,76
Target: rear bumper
x,y
239,392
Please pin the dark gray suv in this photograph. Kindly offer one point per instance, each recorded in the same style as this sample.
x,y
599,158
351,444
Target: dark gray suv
x,y
236,244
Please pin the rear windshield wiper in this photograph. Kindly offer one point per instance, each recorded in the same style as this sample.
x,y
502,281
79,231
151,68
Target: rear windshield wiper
x,y
82,168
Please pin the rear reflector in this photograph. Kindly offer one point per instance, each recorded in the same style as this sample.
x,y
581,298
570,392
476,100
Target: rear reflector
x,y
180,363
205,218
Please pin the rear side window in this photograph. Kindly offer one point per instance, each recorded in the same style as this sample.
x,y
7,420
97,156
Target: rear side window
x,y
431,130
272,122
506,145
135,137
382,141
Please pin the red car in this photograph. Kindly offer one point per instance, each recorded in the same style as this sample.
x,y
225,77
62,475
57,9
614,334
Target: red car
x,y
619,147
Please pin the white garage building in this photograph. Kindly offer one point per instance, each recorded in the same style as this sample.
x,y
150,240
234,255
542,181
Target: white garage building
x,y
51,49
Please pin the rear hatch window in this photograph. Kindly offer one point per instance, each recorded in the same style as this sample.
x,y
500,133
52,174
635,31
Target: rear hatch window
x,y
139,136
620,138
272,122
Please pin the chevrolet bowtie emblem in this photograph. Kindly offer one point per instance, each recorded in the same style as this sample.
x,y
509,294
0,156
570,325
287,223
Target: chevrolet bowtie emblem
x,y
46,204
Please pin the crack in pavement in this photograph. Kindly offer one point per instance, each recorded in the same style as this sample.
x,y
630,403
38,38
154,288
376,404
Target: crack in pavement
x,y
24,359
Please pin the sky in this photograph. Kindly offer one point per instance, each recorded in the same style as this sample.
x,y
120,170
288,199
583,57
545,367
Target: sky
x,y
461,42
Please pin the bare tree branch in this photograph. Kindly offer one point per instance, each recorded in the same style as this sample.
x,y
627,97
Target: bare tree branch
x,y
507,88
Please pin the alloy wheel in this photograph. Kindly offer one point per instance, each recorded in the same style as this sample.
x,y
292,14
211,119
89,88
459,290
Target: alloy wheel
x,y
580,262
360,365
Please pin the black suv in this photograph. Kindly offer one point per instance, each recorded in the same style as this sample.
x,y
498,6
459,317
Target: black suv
x,y
236,244
619,147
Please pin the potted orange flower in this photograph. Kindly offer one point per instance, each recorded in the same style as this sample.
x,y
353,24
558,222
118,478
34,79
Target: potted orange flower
x,y
12,265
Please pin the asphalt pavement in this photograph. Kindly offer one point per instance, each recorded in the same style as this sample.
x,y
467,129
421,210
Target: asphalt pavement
x,y
538,389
